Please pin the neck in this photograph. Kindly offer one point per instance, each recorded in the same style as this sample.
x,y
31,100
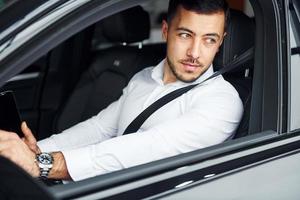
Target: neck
x,y
168,76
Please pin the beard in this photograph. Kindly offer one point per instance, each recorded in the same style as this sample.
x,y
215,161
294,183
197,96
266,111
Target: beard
x,y
181,77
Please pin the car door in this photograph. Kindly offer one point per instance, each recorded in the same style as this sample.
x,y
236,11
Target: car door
x,y
45,82
294,44
268,126
28,84
268,116
27,89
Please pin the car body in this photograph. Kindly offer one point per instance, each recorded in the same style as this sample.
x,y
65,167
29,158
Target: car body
x,y
34,46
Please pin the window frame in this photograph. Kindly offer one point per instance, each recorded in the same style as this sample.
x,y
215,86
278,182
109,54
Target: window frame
x,y
294,28
71,23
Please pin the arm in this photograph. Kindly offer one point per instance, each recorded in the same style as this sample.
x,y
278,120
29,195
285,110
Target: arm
x,y
199,127
97,129
88,132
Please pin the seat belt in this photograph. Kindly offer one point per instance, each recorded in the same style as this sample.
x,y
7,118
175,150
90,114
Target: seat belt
x,y
135,125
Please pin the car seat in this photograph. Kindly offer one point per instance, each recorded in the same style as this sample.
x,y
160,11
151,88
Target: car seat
x,y
240,37
112,67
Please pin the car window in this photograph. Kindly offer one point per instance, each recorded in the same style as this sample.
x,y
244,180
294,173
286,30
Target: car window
x,y
294,68
15,10
62,76
45,106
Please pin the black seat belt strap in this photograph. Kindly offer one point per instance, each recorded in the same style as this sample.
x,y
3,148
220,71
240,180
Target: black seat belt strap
x,y
135,125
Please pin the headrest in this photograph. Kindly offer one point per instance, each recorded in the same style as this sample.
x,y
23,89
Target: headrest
x,y
131,25
240,37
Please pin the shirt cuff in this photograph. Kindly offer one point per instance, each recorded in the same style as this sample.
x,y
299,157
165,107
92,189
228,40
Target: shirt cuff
x,y
79,163
47,145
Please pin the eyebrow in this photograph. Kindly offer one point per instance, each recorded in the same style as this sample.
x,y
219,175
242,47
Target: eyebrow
x,y
191,32
213,35
185,29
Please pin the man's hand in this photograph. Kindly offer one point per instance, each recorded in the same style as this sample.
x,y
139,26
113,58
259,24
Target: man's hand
x,y
15,149
29,138
23,153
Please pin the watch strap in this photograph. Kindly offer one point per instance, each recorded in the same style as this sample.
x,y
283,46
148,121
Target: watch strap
x,y
44,168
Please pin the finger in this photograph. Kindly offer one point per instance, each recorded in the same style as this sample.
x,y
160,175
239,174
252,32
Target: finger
x,y
27,133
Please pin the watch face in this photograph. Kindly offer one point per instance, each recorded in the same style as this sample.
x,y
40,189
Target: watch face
x,y
45,159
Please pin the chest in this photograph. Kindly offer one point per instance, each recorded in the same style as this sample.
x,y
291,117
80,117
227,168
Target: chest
x,y
141,97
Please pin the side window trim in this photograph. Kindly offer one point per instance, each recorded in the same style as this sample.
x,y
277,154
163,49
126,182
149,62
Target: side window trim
x,y
294,70
25,76
295,23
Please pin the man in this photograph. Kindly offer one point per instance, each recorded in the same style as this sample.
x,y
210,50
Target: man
x,y
204,116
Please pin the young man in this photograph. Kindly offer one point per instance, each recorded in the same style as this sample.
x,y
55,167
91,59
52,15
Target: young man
x,y
204,116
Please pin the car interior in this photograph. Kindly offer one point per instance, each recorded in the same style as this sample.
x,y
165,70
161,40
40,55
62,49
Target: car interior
x,y
87,71
84,74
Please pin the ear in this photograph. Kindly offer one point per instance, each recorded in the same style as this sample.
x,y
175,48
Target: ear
x,y
164,30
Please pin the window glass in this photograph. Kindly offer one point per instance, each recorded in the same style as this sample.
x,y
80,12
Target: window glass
x,y
16,12
294,70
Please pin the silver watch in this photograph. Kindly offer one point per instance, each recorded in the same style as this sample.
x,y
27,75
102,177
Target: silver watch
x,y
45,163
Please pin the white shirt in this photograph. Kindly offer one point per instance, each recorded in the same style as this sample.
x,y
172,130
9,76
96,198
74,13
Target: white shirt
x,y
204,116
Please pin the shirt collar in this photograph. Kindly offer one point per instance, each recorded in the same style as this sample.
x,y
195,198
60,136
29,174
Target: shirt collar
x,y
158,71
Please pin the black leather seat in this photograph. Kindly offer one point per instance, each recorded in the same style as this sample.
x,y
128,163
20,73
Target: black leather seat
x,y
112,68
240,37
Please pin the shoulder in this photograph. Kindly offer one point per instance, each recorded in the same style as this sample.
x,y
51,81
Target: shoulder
x,y
217,99
139,80
219,86
142,76
218,92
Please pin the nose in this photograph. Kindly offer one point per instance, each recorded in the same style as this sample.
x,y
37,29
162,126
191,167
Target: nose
x,y
194,49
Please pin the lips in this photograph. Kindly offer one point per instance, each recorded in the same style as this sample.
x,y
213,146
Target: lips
x,y
189,66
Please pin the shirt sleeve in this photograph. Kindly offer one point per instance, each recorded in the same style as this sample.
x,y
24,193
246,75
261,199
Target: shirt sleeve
x,y
198,128
94,130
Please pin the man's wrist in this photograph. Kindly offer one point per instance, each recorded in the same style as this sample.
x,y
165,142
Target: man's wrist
x,y
59,169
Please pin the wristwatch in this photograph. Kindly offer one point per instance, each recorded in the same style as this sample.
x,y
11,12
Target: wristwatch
x,y
45,163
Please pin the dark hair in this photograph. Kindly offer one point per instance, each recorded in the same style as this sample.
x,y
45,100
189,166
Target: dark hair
x,y
199,6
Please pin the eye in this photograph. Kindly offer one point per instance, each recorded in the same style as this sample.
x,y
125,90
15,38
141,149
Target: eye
x,y
184,35
210,41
